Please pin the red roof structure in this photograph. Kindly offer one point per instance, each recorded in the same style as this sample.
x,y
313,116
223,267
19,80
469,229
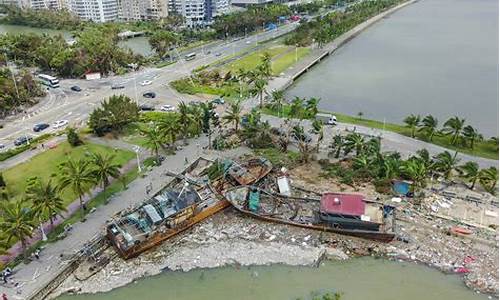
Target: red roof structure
x,y
345,204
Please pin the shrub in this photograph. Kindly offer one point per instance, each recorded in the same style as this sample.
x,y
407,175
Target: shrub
x,y
73,137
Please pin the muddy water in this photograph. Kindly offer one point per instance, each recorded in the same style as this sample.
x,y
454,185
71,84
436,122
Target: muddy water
x,y
357,279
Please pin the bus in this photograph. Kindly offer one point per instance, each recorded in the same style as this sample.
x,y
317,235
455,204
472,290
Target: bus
x,y
48,80
190,56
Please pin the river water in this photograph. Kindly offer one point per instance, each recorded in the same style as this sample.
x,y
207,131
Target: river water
x,y
435,57
357,279
138,45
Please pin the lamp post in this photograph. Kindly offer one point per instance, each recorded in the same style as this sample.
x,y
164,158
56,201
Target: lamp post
x,y
296,55
137,149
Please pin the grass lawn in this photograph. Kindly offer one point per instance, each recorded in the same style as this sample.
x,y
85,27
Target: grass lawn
x,y
287,60
45,165
482,149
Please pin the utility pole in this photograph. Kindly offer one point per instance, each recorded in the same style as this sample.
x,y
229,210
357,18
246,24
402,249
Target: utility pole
x,y
137,149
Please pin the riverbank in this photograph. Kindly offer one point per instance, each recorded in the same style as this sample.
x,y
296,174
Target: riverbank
x,y
229,238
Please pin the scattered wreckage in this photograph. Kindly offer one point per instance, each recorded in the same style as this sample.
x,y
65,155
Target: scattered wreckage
x,y
207,187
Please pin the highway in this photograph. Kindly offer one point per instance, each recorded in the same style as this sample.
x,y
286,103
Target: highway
x,y
64,104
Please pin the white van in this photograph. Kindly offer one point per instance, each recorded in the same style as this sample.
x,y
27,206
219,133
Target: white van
x,y
327,119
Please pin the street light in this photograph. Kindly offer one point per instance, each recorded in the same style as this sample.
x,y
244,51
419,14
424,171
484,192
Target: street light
x,y
296,49
137,149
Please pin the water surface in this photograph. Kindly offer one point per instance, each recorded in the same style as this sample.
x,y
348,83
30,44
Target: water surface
x,y
434,56
357,279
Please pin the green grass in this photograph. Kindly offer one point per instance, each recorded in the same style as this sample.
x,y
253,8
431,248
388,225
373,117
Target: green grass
x,y
45,166
288,60
15,151
186,86
484,149
278,158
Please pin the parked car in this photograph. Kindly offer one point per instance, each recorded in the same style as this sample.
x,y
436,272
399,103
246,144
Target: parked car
x,y
2,146
149,95
167,107
218,101
146,107
22,140
41,126
146,82
60,123
218,54
76,88
117,86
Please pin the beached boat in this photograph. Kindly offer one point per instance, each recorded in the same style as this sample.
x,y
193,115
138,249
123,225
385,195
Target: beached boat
x,y
185,201
347,214
249,171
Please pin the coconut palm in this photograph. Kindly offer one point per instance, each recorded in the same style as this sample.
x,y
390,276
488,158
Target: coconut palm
x,y
46,199
453,127
470,172
264,68
390,167
312,107
494,140
353,141
429,127
318,130
445,163
415,170
297,108
169,127
488,179
233,115
185,119
470,134
412,122
77,176
17,222
104,167
241,76
258,89
277,99
336,145
154,140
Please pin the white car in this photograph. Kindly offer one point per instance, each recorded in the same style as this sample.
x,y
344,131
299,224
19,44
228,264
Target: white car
x,y
167,107
60,123
146,82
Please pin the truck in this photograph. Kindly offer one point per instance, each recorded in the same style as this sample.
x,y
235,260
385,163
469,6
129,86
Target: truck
x,y
326,118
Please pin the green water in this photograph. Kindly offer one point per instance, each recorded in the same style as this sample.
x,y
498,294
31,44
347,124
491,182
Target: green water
x,y
358,279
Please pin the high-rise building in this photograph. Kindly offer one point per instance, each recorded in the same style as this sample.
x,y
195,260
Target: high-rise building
x,y
35,4
198,12
94,10
142,9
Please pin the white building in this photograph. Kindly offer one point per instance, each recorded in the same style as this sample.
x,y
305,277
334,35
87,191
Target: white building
x,y
142,9
199,12
35,4
94,10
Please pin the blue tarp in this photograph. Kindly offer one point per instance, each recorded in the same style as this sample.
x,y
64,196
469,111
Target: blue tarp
x,y
401,187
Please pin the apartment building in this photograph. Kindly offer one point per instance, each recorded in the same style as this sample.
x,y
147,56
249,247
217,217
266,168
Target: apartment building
x,y
94,10
198,12
142,9
35,4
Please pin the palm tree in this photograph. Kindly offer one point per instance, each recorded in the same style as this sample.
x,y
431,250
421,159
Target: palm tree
x,y
241,76
412,122
277,98
415,170
390,167
169,128
445,163
429,127
46,200
185,119
454,127
318,129
77,175
259,88
264,68
297,108
488,179
494,140
312,107
17,222
470,134
353,141
233,115
336,145
470,171
303,142
155,140
104,167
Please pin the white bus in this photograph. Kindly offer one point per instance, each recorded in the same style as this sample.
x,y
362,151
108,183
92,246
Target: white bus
x,y
190,56
48,80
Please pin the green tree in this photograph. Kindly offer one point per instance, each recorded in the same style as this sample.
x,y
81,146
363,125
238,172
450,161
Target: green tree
x,y
312,107
46,200
297,108
277,99
233,115
471,135
494,140
412,122
73,137
104,167
77,176
161,41
336,145
470,172
303,142
169,127
155,140
185,119
454,127
429,127
353,141
445,163
258,89
318,130
17,222
114,114
488,178
415,170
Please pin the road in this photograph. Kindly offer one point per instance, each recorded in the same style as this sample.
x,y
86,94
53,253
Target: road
x,y
64,104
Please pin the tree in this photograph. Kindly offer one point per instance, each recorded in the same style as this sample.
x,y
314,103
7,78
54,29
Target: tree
x,y
353,141
161,41
258,89
264,68
415,170
412,122
454,127
185,119
494,140
360,115
114,114
470,172
470,134
17,222
104,167
233,115
318,130
169,127
312,107
2,181
154,140
303,142
429,127
77,175
46,200
488,179
297,108
73,137
277,99
445,163
336,145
